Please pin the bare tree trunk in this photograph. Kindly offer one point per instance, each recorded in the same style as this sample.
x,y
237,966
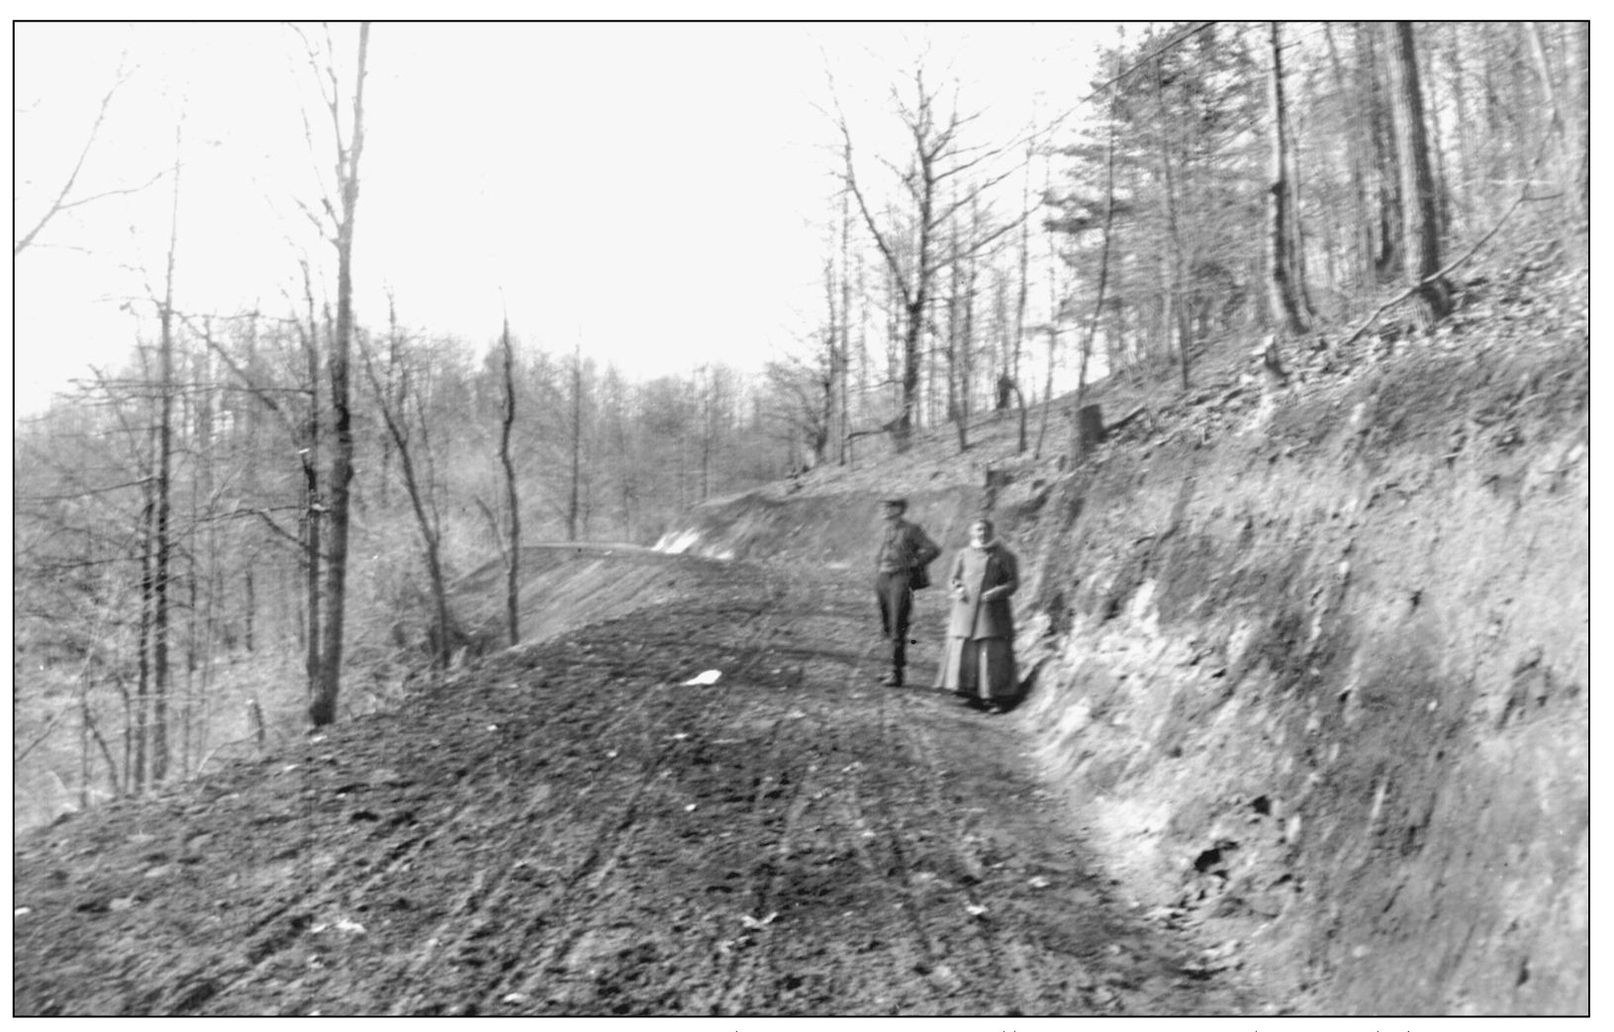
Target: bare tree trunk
x,y
1362,267
165,460
430,530
843,365
512,593
323,709
967,339
1462,202
313,503
1080,444
574,494
955,340
1024,294
1053,325
137,765
1437,155
1563,159
1389,261
1176,313
249,424
390,387
1422,231
1285,289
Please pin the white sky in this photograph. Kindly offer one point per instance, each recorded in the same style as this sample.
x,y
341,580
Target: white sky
x,y
654,191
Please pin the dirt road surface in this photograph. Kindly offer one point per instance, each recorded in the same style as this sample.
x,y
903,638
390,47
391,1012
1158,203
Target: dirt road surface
x,y
568,828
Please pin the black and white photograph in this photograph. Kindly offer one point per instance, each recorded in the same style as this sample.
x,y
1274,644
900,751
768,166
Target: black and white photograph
x,y
794,516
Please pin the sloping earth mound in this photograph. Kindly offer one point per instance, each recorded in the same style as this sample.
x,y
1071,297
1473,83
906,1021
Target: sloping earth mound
x,y
1313,663
568,828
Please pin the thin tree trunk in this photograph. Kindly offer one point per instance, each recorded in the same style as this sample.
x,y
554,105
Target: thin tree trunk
x,y
1053,327
574,493
1563,161
430,531
1422,230
323,709
1285,292
1462,202
844,353
165,459
1080,446
1175,313
137,765
1023,296
1356,150
967,340
313,504
513,581
1389,260
955,342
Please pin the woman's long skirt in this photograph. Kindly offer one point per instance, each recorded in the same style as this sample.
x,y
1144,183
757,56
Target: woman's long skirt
x,y
981,668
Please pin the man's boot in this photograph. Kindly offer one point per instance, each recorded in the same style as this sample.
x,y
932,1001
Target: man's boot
x,y
893,679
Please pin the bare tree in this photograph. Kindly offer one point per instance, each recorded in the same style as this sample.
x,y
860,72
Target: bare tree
x,y
162,529
574,494
426,519
910,247
506,423
322,708
1081,430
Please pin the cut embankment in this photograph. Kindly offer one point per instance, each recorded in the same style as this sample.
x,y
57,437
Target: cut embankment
x,y
1319,685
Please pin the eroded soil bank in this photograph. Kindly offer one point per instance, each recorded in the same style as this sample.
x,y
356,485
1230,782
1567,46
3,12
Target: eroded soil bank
x,y
1316,677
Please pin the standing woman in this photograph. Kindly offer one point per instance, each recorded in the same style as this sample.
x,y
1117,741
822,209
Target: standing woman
x,y
980,634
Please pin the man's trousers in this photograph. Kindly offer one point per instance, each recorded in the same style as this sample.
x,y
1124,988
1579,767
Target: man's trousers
x,y
896,608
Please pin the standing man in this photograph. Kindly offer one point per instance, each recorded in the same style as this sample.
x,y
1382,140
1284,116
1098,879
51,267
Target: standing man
x,y
904,553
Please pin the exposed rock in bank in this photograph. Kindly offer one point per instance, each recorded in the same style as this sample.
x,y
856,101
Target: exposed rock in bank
x,y
1318,681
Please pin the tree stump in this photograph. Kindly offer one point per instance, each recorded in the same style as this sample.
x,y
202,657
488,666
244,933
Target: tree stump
x,y
1089,428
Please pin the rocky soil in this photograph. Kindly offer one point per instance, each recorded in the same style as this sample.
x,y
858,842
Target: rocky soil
x,y
568,828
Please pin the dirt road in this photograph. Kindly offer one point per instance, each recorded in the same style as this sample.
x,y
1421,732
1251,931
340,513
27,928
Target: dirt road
x,y
570,829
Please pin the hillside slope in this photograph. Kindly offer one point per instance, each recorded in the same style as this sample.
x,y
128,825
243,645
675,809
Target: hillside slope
x,y
570,827
1305,730
1314,662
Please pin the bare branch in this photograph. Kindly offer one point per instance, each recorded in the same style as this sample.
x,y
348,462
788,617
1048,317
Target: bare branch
x,y
850,177
61,203
50,725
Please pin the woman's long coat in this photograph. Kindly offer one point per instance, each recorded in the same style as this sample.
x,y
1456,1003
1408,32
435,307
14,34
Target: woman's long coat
x,y
993,572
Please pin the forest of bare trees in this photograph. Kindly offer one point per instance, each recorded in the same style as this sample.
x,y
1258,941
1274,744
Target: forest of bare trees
x,y
256,521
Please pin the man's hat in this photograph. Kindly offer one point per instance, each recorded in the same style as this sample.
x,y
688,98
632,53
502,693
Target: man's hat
x,y
901,503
